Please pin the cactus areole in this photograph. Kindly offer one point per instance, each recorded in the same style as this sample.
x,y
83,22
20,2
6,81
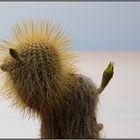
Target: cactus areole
x,y
41,79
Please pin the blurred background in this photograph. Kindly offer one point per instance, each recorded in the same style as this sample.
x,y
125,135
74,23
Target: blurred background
x,y
101,32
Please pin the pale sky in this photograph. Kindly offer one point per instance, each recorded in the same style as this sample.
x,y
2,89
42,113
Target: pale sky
x,y
92,25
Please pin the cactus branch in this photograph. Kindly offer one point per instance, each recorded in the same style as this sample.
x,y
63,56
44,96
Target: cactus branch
x,y
107,75
15,54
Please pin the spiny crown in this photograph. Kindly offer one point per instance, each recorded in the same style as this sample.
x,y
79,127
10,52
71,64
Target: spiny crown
x,y
38,66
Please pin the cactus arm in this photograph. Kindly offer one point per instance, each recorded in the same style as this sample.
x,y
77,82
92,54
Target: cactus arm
x,y
107,75
15,54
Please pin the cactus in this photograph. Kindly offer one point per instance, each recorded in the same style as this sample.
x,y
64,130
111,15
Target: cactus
x,y
41,79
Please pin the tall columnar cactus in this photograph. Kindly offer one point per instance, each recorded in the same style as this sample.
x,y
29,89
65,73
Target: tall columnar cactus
x,y
42,80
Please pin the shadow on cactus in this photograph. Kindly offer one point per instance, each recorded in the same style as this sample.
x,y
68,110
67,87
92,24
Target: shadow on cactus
x,y
41,79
